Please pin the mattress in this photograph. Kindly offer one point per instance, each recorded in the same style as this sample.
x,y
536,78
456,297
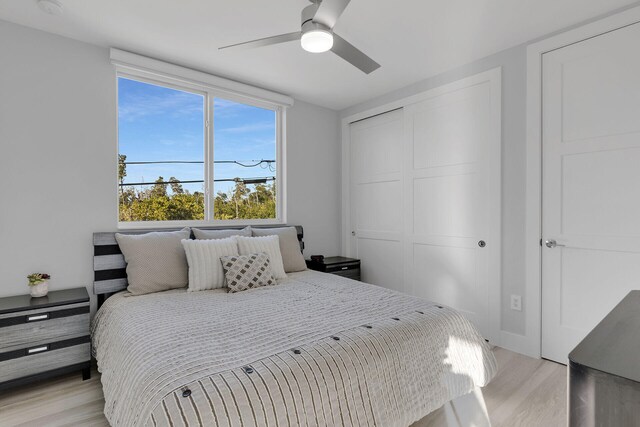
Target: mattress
x,y
316,349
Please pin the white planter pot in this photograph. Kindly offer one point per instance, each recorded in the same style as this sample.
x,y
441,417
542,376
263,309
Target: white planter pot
x,y
40,290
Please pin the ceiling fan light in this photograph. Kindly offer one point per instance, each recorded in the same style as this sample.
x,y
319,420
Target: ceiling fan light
x,y
317,41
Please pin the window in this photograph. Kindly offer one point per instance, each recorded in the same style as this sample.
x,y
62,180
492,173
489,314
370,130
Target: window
x,y
244,177
188,154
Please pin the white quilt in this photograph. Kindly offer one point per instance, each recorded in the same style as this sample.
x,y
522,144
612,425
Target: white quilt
x,y
317,349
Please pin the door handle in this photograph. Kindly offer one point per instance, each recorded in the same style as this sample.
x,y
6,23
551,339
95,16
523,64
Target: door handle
x,y
551,243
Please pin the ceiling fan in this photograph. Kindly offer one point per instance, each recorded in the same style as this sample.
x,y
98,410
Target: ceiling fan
x,y
316,35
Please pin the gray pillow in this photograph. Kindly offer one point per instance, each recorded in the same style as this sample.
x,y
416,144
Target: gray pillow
x,y
292,258
156,261
244,272
220,234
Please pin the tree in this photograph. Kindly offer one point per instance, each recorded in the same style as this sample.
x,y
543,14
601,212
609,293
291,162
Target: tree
x,y
156,203
176,187
122,167
159,189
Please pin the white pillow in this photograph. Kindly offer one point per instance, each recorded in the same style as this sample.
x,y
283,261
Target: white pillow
x,y
205,267
267,244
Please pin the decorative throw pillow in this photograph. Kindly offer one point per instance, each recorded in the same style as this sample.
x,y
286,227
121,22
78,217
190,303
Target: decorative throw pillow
x,y
155,261
267,244
205,267
220,234
247,271
292,258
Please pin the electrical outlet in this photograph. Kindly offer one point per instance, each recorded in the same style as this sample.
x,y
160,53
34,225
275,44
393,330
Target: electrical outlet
x,y
516,302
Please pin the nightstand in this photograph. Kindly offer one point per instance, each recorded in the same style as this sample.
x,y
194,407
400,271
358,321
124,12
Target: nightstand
x,y
44,337
339,265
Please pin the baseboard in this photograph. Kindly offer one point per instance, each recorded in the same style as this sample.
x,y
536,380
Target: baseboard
x,y
519,344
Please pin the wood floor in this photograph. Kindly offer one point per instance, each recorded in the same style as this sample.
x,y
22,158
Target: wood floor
x,y
526,392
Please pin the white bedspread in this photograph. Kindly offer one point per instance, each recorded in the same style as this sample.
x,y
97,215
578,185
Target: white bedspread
x,y
316,349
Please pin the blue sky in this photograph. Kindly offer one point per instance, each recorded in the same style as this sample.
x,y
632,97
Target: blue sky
x,y
157,123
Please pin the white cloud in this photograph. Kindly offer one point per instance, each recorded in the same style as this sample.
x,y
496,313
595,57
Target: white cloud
x,y
250,127
177,104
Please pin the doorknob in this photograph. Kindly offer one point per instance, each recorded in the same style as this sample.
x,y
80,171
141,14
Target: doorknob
x,y
551,243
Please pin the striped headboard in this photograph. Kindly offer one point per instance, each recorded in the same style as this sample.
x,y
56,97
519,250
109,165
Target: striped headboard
x,y
109,267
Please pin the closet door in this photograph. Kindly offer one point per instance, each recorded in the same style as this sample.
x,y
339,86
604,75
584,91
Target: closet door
x,y
452,200
591,184
376,198
425,198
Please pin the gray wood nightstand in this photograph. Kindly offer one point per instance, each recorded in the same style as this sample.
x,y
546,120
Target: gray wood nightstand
x,y
44,337
338,265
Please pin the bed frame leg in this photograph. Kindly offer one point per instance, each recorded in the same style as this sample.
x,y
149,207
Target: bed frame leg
x,y
467,410
86,373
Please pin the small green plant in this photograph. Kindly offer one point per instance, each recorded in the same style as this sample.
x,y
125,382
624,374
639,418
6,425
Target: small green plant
x,y
37,278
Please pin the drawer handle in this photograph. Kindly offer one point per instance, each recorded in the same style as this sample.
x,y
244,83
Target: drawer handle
x,y
37,317
345,268
38,349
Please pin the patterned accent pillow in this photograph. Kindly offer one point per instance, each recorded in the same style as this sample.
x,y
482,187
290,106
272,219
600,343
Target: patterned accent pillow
x,y
247,271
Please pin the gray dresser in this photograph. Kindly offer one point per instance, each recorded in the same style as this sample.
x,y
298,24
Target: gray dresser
x,y
604,371
44,337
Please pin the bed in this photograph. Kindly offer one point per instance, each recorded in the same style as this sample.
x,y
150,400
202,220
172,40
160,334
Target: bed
x,y
316,349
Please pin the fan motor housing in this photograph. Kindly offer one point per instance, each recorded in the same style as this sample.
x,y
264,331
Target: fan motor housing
x,y
307,15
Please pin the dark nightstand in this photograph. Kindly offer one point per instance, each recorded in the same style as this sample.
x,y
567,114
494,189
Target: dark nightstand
x,y
44,337
339,265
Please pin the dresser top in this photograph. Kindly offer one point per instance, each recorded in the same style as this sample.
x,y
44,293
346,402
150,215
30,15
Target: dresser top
x,y
54,298
614,345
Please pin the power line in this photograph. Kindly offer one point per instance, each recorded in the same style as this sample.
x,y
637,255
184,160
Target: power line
x,y
243,163
257,180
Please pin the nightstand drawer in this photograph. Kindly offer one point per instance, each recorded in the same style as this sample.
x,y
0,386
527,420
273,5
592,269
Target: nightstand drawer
x,y
342,267
349,274
42,358
35,327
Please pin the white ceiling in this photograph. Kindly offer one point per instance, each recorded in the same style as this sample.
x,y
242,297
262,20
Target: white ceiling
x,y
412,39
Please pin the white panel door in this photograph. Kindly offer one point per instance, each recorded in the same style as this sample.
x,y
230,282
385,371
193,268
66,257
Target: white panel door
x,y
376,198
591,185
452,200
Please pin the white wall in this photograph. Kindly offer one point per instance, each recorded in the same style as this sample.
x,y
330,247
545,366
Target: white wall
x,y
57,155
58,160
313,176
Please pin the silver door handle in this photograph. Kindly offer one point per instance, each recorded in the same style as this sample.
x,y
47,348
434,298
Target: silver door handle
x,y
551,243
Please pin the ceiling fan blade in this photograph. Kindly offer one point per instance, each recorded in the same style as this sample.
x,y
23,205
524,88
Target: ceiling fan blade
x,y
282,38
353,55
329,11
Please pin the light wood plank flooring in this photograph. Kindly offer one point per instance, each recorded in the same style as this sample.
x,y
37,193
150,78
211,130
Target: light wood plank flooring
x,y
526,393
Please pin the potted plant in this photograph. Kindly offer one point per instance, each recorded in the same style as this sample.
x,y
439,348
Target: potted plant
x,y
39,284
